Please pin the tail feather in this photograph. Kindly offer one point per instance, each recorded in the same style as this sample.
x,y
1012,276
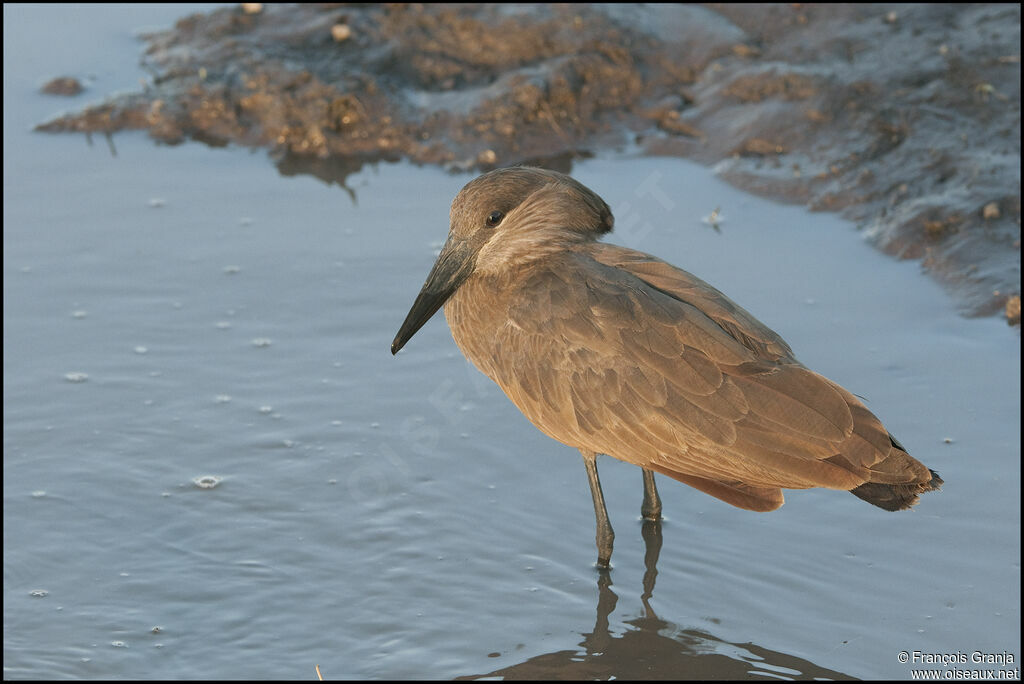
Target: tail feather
x,y
896,497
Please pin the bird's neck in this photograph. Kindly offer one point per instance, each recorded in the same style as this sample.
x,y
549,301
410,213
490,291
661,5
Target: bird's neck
x,y
528,248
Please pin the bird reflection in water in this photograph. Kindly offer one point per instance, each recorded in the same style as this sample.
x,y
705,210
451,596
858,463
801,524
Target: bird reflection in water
x,y
653,648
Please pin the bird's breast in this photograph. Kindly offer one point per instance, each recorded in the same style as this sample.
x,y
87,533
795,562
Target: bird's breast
x,y
477,315
504,327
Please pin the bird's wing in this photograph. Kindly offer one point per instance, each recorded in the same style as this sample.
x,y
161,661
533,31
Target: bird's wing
x,y
602,359
686,287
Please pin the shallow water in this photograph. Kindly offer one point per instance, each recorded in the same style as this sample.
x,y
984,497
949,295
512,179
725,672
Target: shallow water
x,y
397,517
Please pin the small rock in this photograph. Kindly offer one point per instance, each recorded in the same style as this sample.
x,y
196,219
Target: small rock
x,y
1013,310
816,116
341,32
934,228
252,7
63,85
670,123
743,50
487,157
759,147
990,211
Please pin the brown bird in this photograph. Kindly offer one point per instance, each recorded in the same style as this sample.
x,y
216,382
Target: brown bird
x,y
617,352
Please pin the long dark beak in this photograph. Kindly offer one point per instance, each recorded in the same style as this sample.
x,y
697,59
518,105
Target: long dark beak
x,y
452,267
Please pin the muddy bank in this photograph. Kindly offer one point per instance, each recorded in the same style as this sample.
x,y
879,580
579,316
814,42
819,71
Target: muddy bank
x,y
906,119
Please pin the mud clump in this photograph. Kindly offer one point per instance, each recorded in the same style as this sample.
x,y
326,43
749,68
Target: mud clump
x,y
1013,310
905,120
62,85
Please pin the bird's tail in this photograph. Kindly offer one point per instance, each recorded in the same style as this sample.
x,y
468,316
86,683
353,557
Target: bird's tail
x,y
896,497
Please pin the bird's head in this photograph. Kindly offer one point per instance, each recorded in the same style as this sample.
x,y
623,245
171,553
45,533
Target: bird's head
x,y
501,221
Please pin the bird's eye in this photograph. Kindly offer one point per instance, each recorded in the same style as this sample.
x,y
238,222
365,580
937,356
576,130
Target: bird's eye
x,y
494,218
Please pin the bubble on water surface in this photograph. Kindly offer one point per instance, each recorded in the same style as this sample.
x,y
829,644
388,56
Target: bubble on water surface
x,y
206,481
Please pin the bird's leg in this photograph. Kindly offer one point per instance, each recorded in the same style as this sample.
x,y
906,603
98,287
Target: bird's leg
x,y
651,508
605,535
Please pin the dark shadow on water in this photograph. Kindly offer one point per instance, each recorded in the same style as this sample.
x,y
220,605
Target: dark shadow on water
x,y
332,170
335,170
657,649
562,162
108,137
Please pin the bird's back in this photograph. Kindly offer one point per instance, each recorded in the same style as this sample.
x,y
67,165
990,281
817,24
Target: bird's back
x,y
617,352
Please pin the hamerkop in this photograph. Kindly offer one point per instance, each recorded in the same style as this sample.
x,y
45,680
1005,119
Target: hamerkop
x,y
617,352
